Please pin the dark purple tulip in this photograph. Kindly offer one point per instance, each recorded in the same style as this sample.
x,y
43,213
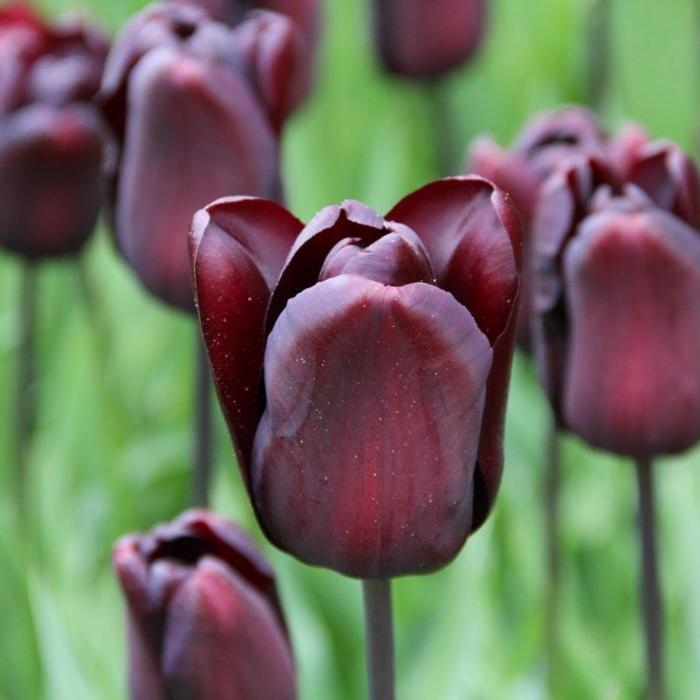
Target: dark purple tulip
x,y
544,141
618,273
427,38
51,138
196,107
374,444
204,619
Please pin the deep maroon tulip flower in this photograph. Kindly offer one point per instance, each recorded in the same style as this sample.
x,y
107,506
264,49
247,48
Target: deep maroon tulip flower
x,y
542,144
618,273
370,436
204,617
196,107
51,139
427,38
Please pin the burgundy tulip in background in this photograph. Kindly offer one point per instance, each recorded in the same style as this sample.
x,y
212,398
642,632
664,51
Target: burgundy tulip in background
x,y
204,617
427,38
196,107
541,145
51,137
617,249
364,385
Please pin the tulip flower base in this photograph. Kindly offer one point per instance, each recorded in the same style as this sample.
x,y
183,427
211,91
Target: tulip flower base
x,y
652,605
380,639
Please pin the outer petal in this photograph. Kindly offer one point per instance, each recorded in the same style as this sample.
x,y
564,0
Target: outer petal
x,y
238,246
365,456
195,133
278,60
223,642
472,234
426,39
50,161
633,377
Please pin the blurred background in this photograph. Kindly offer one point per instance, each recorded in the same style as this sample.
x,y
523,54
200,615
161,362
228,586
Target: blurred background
x,y
112,450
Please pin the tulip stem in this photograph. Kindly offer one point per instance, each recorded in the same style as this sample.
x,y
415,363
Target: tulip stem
x,y
380,639
598,78
652,606
552,525
25,417
443,128
203,452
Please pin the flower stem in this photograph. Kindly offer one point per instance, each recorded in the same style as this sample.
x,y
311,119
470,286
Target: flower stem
x,y
552,525
25,417
203,450
380,639
443,129
652,605
598,76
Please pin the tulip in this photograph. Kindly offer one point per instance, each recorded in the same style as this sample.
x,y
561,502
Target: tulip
x,y
384,347
540,146
617,251
419,39
203,614
51,138
196,108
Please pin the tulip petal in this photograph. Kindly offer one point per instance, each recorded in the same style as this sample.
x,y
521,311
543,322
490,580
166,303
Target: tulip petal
x,y
306,258
633,285
223,642
50,160
365,456
238,246
196,133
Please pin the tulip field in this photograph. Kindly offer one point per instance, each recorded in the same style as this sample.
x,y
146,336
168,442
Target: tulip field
x,y
111,369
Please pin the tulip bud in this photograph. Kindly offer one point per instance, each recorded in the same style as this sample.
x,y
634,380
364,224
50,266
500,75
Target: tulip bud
x,y
385,350
51,138
543,143
626,382
419,39
203,613
196,107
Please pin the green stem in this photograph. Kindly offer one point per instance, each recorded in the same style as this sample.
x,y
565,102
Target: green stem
x,y
380,639
203,448
552,527
598,75
443,129
652,604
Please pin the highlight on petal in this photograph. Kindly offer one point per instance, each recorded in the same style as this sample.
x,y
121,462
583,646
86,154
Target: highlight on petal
x,y
238,246
364,459
196,133
222,641
633,287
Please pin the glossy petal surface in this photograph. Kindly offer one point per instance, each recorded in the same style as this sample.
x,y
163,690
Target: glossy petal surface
x,y
365,456
196,134
633,282
238,247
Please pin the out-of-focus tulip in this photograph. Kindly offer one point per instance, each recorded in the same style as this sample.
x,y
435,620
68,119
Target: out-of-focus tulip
x,y
617,279
204,618
542,144
427,38
51,138
370,436
196,107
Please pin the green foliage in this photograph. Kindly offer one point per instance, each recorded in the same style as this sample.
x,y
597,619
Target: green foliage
x,y
112,447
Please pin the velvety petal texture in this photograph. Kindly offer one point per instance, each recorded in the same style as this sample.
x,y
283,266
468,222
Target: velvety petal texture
x,y
375,397
427,38
204,618
387,347
51,136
